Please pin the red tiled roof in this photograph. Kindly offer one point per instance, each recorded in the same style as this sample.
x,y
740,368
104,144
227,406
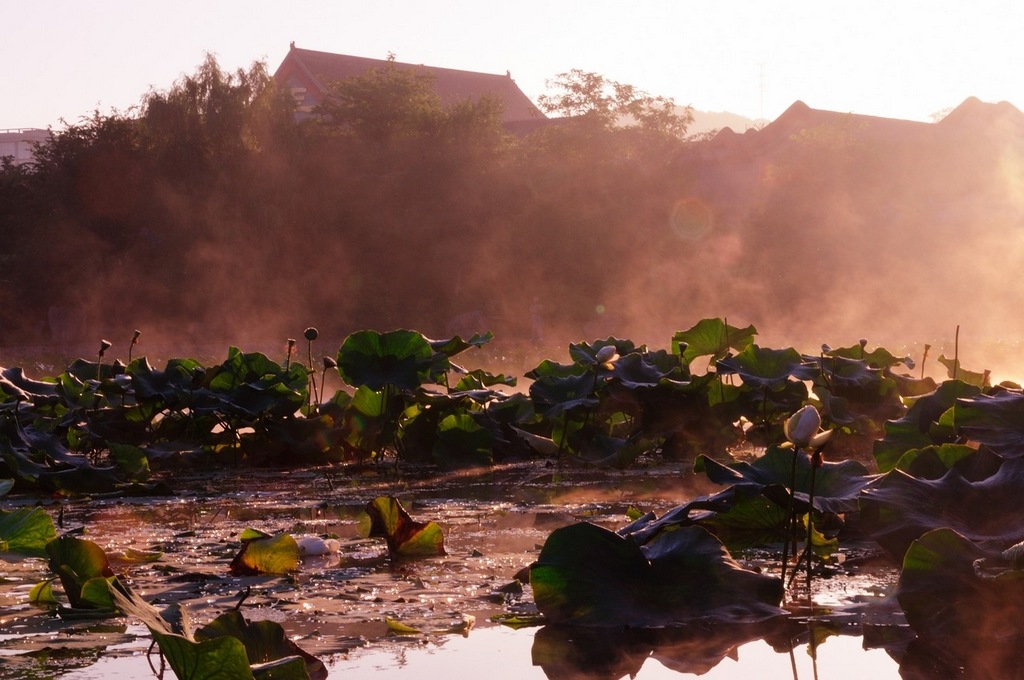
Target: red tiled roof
x,y
320,69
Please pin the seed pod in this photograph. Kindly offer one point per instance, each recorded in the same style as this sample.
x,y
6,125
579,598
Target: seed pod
x,y
311,334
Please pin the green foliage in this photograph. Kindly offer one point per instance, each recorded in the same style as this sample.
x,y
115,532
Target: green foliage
x,y
265,554
406,538
26,531
590,576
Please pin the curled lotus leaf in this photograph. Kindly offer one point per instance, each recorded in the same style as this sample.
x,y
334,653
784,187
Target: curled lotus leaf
x,y
837,485
995,420
949,590
919,427
406,537
766,367
898,508
591,576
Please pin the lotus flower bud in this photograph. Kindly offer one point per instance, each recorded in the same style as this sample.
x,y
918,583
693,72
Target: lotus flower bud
x,y
803,428
825,349
909,362
605,354
104,346
329,362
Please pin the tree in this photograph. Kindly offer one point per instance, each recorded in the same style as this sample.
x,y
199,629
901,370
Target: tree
x,y
592,99
383,104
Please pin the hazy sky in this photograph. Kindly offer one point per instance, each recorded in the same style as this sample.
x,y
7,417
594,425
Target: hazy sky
x,y
896,58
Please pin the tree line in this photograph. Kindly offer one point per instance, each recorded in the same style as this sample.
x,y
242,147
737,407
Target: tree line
x,y
209,212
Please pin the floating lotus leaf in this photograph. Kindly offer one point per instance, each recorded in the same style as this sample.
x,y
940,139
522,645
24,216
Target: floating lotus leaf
x,y
587,575
265,554
898,509
995,420
713,338
402,358
405,536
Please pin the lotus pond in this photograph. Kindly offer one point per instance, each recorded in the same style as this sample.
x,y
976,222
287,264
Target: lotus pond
x,y
337,606
626,516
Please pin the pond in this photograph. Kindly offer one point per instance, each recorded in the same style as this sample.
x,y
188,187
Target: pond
x,y
337,606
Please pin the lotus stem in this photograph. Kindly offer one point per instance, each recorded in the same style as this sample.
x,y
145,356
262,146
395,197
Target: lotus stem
x,y
104,346
924,358
956,351
788,523
815,462
131,345
311,334
288,358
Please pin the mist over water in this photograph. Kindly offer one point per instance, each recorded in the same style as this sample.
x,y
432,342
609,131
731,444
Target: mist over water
x,y
819,228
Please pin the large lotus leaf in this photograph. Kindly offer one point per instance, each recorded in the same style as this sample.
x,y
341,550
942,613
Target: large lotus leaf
x,y
898,509
265,641
405,537
648,369
16,385
222,657
585,353
479,379
934,462
168,386
26,531
401,358
836,485
957,372
918,428
995,420
766,367
740,507
711,337
462,442
587,575
76,562
947,594
554,395
456,345
265,554
90,370
879,357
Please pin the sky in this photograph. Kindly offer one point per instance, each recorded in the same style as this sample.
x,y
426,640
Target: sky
x,y
893,58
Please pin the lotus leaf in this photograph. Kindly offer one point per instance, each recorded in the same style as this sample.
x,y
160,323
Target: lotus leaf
x,y
265,642
995,420
648,370
265,554
586,354
837,486
78,562
405,537
958,372
919,427
590,576
462,442
713,338
403,359
898,509
26,531
946,595
766,367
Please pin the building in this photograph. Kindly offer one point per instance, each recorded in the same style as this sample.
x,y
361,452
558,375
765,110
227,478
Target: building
x,y
309,75
19,143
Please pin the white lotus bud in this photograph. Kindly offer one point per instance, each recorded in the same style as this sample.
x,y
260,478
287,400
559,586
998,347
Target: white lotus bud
x,y
802,428
605,354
